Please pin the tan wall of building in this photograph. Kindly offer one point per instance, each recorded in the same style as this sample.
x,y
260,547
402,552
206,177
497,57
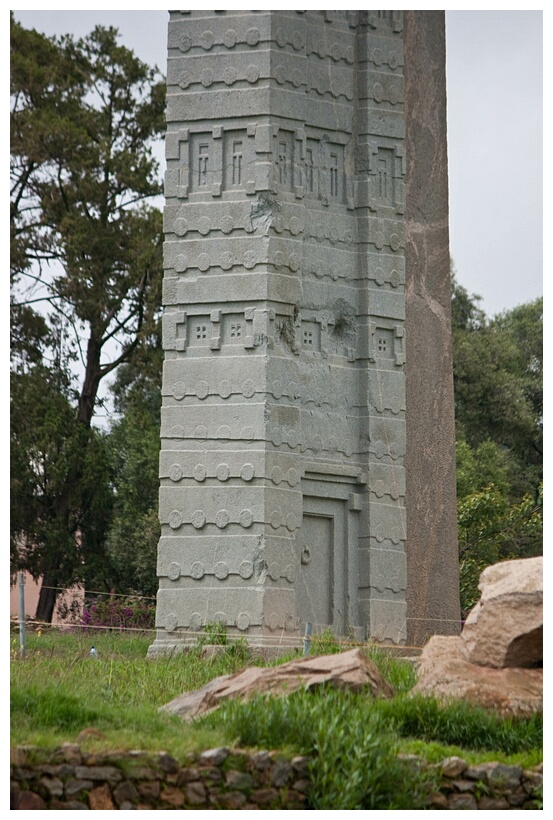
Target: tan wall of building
x,y
32,591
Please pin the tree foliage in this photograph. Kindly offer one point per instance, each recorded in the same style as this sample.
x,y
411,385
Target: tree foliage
x,y
83,116
86,251
497,371
131,543
57,526
491,529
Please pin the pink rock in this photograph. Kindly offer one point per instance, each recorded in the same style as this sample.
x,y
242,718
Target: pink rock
x,y
505,628
445,673
348,670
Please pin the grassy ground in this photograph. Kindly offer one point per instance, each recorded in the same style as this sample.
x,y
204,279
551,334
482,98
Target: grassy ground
x,y
58,692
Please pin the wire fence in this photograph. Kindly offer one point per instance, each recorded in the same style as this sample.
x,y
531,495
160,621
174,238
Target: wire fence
x,y
77,617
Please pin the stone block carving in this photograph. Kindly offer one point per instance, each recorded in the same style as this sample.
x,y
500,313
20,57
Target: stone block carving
x,y
283,419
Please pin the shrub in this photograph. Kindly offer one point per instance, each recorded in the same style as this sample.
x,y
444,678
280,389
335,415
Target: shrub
x,y
119,613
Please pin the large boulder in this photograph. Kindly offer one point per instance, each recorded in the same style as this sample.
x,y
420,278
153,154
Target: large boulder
x,y
444,672
351,670
505,628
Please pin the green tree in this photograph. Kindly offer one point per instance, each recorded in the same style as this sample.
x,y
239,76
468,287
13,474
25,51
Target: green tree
x,y
497,370
481,466
48,512
131,543
130,553
492,529
497,373
85,243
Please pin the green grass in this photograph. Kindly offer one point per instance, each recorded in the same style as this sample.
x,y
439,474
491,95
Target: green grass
x,y
58,691
356,764
355,741
460,724
286,721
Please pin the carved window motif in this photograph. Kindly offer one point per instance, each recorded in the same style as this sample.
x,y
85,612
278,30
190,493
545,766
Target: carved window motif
x,y
284,158
333,174
311,335
384,178
332,156
203,159
201,331
237,158
324,171
237,162
235,329
384,343
309,165
282,163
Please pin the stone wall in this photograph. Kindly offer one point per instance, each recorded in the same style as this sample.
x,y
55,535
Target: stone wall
x,y
214,779
231,779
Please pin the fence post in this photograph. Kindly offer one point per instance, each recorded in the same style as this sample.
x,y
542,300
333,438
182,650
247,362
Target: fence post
x,y
21,616
307,638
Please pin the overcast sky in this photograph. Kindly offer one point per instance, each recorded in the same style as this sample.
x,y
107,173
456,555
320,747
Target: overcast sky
x,y
494,88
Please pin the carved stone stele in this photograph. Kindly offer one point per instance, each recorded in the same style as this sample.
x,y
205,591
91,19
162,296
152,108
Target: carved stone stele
x,y
283,437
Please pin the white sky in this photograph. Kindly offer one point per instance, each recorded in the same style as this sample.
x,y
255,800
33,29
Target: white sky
x,y
495,136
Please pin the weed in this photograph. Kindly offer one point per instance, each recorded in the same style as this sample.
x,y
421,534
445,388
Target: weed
x,y
238,650
325,643
399,673
215,634
481,789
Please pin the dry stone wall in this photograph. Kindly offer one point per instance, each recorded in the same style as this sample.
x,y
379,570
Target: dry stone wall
x,y
233,779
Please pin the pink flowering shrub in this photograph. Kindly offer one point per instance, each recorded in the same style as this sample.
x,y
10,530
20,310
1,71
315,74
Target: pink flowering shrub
x,y
119,613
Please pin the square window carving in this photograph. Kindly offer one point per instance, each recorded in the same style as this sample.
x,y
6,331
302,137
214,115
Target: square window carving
x,y
311,335
384,343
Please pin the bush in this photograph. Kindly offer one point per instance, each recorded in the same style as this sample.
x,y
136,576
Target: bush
x,y
119,613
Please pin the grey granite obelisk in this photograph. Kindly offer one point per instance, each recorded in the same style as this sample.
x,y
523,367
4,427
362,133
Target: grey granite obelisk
x,y
433,605
283,422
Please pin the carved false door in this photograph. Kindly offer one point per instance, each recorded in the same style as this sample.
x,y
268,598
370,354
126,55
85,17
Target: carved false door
x,y
321,590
